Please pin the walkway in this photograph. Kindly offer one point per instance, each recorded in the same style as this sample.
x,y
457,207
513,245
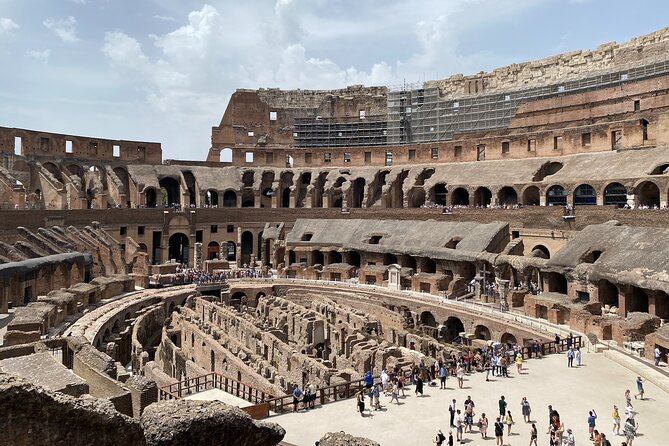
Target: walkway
x,y
573,392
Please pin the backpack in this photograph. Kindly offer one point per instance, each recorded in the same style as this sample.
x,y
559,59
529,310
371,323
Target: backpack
x,y
442,438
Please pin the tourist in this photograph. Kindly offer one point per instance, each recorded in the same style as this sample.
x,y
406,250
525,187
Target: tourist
x,y
400,384
571,440
483,426
451,409
525,409
306,399
368,379
440,438
639,386
570,358
469,417
596,438
419,386
519,362
442,376
502,406
361,403
312,393
630,429
377,394
533,435
460,374
578,356
605,441
509,422
628,398
592,417
393,394
616,420
459,426
658,355
504,364
297,395
385,382
499,432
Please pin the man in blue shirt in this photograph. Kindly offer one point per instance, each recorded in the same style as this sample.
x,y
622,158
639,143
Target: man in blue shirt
x,y
592,416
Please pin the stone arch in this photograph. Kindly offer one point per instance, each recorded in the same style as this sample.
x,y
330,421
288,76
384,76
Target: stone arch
x,y
482,196
266,189
541,251
54,170
189,179
532,196
585,194
439,194
317,258
557,283
416,197
460,197
151,197
615,194
248,199
230,199
428,319
357,193
225,155
354,258
211,198
247,247
648,194
451,329
608,293
637,301
389,259
172,189
334,257
482,332
248,178
508,338
178,247
507,196
556,195
213,250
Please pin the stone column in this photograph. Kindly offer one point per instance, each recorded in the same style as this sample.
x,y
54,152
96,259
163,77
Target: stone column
x,y
503,286
197,255
238,253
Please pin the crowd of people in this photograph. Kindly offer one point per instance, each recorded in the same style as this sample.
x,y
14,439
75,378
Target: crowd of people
x,y
199,276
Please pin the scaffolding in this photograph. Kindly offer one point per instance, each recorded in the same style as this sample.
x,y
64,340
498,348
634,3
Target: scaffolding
x,y
421,115
317,131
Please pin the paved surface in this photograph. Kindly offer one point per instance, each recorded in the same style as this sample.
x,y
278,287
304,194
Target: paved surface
x,y
219,395
598,384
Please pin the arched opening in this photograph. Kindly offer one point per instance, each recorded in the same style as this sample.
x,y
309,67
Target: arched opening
x,y
357,193
638,300
557,283
285,198
178,249
189,178
211,198
585,195
231,251
615,194
151,200
248,178
460,197
508,338
317,258
608,293
482,197
171,187
451,329
260,250
266,198
507,196
225,155
416,197
247,247
429,266
238,299
212,250
389,259
532,196
547,170
556,196
541,251
291,257
335,257
424,175
54,170
427,319
248,199
482,332
440,194
354,258
648,194
229,199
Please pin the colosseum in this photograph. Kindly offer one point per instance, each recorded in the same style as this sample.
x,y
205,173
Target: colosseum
x,y
329,234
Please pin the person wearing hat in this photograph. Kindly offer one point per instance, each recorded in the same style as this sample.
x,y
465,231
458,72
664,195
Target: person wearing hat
x,y
571,441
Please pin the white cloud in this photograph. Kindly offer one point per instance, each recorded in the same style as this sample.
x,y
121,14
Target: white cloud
x,y
39,56
123,51
7,25
79,2
164,18
63,28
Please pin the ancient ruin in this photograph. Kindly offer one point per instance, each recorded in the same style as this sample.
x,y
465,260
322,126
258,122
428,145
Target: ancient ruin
x,y
327,234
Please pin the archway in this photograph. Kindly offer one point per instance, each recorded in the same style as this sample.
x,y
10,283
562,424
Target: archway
x,y
178,247
389,259
285,198
482,332
608,293
172,189
440,194
354,258
648,194
317,258
357,193
508,338
507,196
615,194
212,250
211,198
585,195
429,266
416,197
231,251
637,301
151,200
247,247
557,283
556,196
532,196
451,329
427,318
225,155
541,251
229,199
189,179
334,257
482,197
460,197
248,199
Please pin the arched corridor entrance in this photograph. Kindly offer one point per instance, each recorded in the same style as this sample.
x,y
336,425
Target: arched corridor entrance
x,y
178,247
482,197
247,247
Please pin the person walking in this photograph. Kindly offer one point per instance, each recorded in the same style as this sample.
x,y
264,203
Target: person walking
x,y
440,438
451,410
361,403
571,440
616,420
377,396
442,376
533,435
460,374
570,358
297,395
578,356
419,386
502,406
459,426
519,362
592,417
525,410
393,394
483,426
658,355
639,387
630,429
499,432
509,422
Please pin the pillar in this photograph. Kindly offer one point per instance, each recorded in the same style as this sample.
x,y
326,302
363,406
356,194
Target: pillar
x,y
197,255
503,286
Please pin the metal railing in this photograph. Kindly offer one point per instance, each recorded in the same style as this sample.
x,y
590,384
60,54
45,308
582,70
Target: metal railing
x,y
213,380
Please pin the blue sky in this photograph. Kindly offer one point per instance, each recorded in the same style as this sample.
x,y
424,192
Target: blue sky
x,y
163,70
